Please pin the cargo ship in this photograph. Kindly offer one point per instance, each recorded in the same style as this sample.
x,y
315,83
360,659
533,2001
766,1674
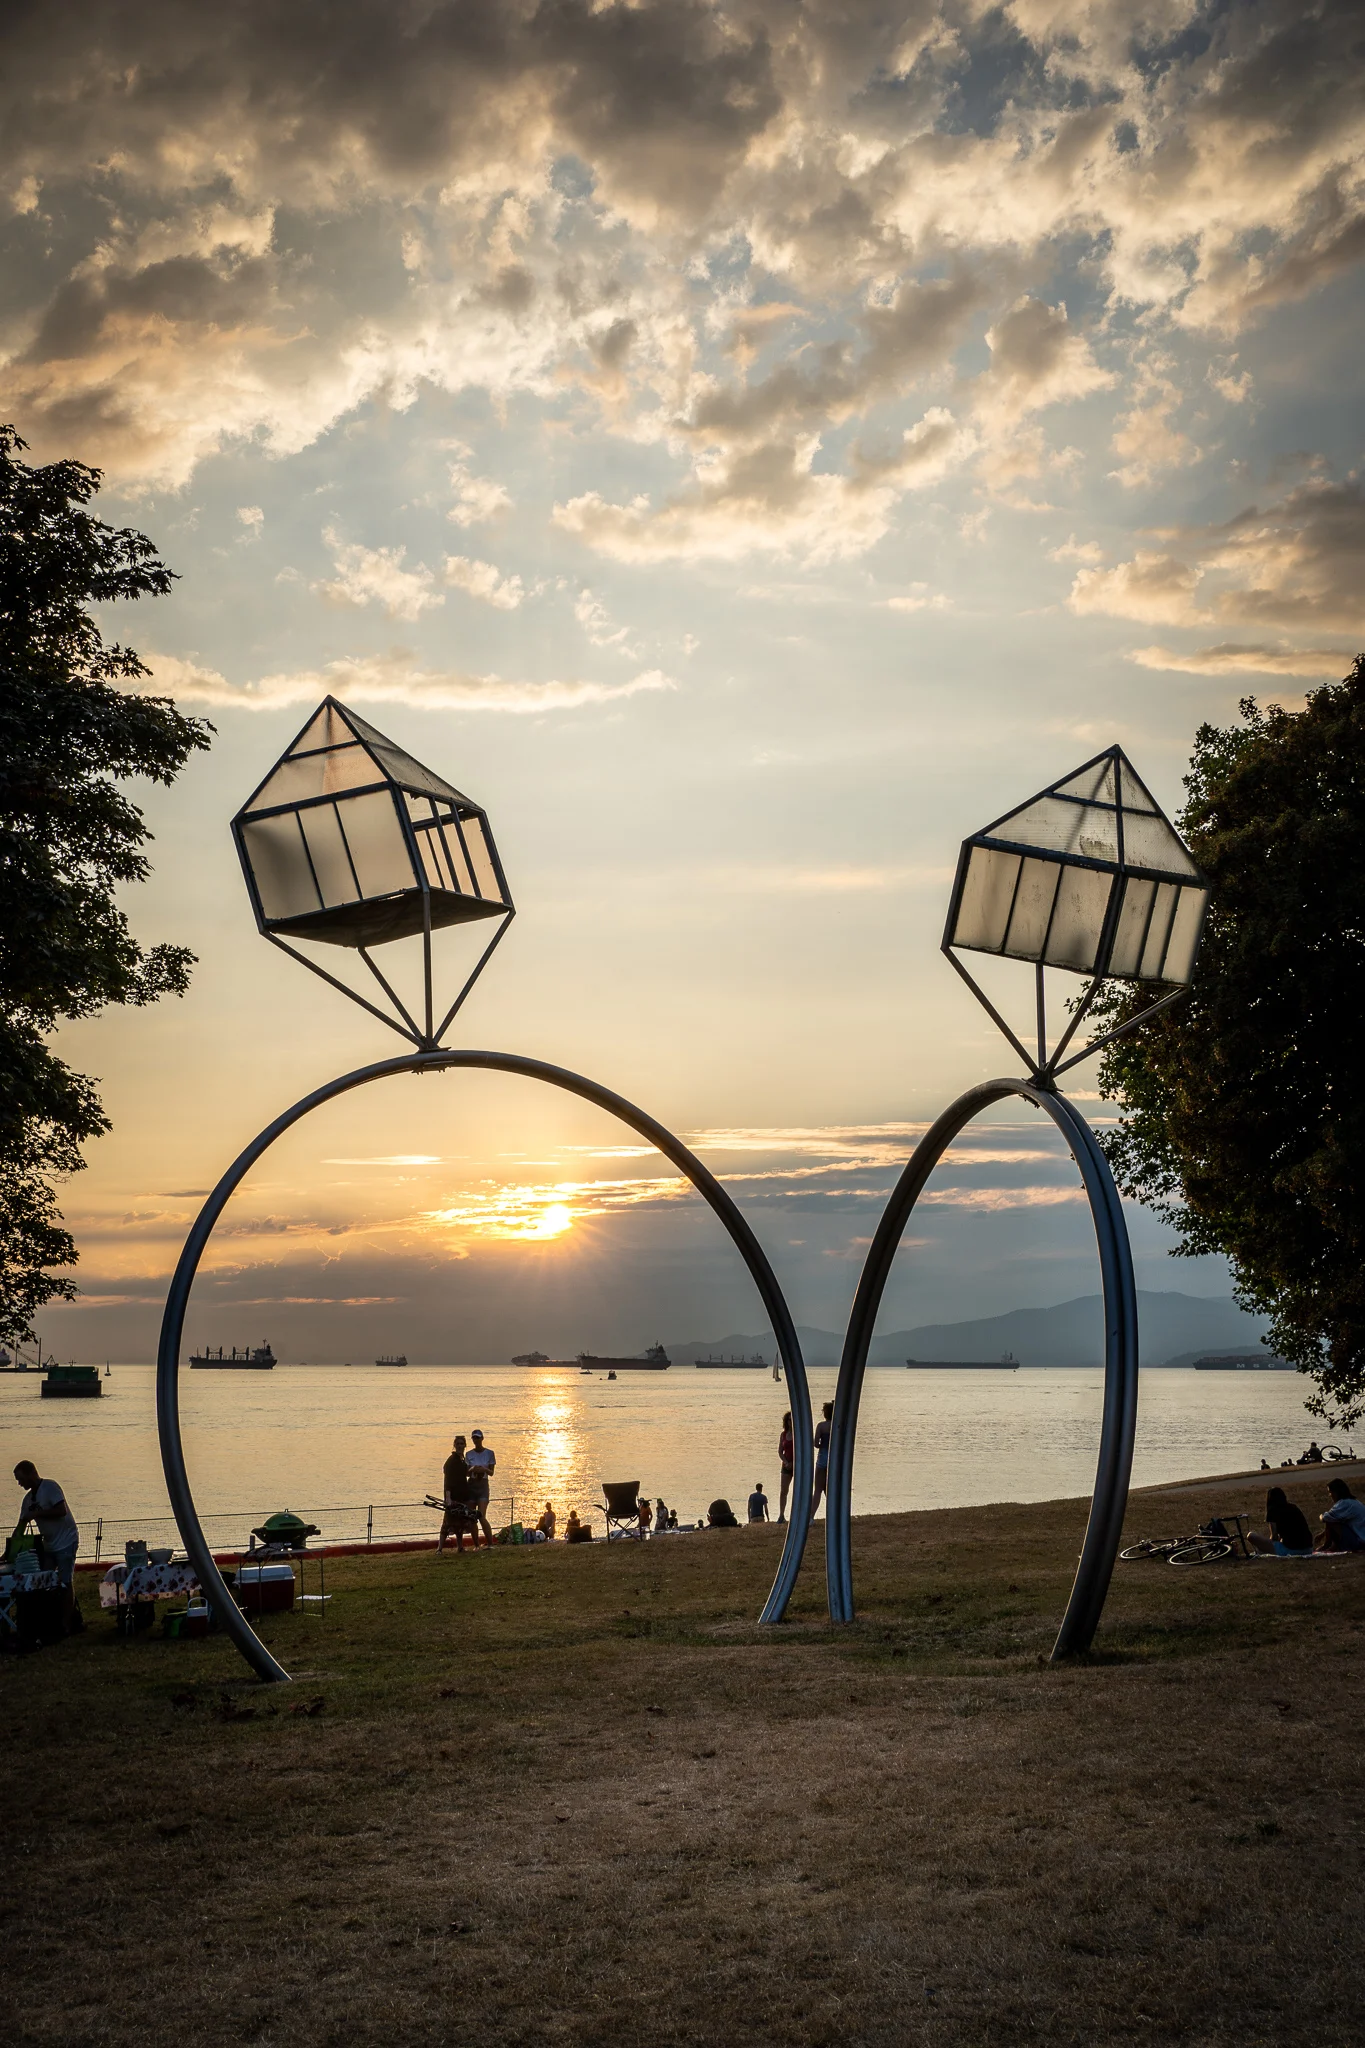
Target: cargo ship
x,y
539,1358
732,1365
656,1359
1243,1361
399,1358
1008,1363
260,1359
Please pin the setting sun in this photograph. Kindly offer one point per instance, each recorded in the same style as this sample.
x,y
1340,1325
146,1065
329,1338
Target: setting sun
x,y
552,1222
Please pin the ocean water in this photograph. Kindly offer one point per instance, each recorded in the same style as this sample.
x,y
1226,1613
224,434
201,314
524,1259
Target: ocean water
x,y
333,1441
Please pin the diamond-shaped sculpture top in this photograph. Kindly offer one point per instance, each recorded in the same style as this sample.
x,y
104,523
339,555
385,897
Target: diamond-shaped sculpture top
x,y
351,841
1103,812
1090,875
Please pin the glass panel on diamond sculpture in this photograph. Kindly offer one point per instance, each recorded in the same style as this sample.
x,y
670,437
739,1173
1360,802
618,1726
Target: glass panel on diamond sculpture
x,y
348,767
1078,918
429,847
328,848
1131,935
1158,931
1094,784
987,895
279,864
484,873
1032,908
377,845
1149,842
326,728
1183,945
1063,826
455,854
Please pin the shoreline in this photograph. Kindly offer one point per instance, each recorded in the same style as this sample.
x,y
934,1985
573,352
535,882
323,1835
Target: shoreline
x,y
1351,1470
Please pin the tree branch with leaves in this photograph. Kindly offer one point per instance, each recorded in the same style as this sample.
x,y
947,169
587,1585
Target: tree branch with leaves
x,y
72,733
1243,1120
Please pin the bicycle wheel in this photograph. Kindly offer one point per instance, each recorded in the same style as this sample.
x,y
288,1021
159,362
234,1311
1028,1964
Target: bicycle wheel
x,y
1208,1550
1147,1546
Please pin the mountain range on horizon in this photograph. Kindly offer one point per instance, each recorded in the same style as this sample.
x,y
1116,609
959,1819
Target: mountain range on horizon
x,y
1173,1329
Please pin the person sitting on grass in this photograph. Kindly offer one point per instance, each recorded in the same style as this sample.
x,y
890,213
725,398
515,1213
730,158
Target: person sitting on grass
x,y
548,1522
1343,1524
1312,1456
660,1515
644,1513
575,1531
1289,1535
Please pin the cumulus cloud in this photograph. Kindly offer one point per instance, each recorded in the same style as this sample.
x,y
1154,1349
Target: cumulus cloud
x,y
1037,359
1154,587
1229,659
1146,437
768,498
477,499
377,576
772,498
220,238
597,622
484,581
387,679
1293,564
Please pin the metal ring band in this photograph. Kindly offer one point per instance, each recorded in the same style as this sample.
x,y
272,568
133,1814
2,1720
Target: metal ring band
x,y
1119,1422
721,1203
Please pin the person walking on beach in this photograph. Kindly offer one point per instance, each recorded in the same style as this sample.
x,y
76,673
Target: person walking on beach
x,y
458,1497
821,1455
58,1536
785,1456
482,1464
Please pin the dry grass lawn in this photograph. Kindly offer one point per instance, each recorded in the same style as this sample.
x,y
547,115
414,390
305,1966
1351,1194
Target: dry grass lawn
x,y
575,1798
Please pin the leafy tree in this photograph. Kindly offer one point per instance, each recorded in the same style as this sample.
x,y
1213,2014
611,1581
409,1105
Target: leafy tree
x,y
69,837
1244,1105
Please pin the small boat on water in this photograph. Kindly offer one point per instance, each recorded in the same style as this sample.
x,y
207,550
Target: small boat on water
x,y
259,1358
399,1358
732,1365
72,1382
1007,1363
656,1359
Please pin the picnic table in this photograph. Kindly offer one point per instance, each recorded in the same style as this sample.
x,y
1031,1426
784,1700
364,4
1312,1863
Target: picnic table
x,y
12,1586
122,1584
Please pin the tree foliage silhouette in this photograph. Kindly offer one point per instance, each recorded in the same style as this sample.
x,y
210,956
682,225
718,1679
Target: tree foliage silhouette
x,y
70,735
1244,1106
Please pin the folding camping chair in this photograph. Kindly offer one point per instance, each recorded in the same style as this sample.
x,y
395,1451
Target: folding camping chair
x,y
619,1507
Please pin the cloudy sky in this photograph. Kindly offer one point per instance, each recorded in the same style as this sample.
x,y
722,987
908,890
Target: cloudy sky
x,y
747,448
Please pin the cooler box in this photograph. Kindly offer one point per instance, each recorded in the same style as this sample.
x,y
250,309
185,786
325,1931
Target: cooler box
x,y
265,1588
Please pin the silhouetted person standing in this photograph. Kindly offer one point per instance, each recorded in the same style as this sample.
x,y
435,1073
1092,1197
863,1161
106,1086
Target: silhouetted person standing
x,y
821,1455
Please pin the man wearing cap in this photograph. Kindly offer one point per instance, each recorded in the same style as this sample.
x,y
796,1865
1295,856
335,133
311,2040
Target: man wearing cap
x,y
482,1464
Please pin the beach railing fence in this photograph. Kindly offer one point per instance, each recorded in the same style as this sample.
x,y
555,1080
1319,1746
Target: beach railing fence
x,y
369,1523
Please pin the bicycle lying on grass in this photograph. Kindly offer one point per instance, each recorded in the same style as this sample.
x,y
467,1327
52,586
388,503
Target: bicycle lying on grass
x,y
1212,1543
